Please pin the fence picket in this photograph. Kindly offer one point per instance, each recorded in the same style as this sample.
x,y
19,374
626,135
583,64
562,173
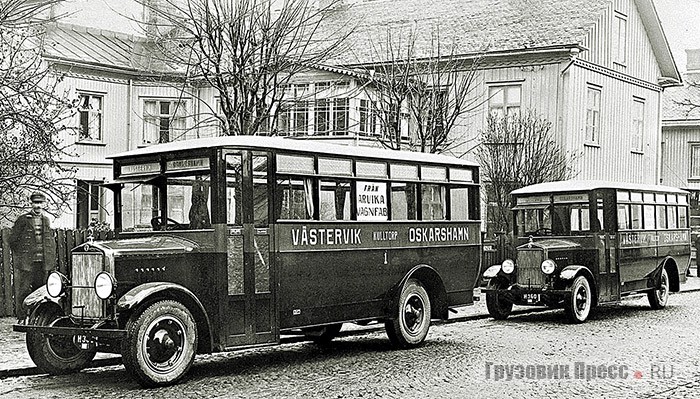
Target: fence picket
x,y
6,300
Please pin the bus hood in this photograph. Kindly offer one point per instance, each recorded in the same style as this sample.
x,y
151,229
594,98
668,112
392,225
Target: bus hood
x,y
154,245
549,244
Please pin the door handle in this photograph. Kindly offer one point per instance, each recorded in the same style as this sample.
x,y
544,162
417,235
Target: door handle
x,y
386,258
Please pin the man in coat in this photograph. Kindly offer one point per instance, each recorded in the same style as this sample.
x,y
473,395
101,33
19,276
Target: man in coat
x,y
33,251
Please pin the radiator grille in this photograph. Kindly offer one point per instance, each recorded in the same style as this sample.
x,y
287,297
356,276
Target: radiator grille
x,y
85,301
529,267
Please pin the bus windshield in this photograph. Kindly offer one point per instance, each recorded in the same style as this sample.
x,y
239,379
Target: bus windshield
x,y
558,219
187,204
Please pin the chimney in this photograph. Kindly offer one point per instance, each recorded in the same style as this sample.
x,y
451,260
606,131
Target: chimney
x,y
693,60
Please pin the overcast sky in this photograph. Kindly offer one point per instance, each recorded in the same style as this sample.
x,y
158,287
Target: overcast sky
x,y
681,22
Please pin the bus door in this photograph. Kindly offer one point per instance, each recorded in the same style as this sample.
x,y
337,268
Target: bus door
x,y
606,244
250,311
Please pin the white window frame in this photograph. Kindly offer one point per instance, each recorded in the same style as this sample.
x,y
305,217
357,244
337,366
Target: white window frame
x,y
88,116
508,105
638,118
176,116
694,172
619,38
592,122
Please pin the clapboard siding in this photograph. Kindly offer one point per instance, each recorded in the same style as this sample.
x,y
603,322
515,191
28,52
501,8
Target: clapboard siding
x,y
641,61
613,158
675,169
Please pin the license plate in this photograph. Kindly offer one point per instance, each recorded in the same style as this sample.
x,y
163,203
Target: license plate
x,y
83,341
531,298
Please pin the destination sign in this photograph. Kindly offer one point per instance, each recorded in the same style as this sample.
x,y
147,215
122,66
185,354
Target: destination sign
x,y
542,199
570,198
140,169
295,237
187,164
652,238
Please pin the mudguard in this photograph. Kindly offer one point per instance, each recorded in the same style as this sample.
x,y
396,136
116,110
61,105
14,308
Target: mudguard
x,y
571,271
39,296
433,284
492,271
137,295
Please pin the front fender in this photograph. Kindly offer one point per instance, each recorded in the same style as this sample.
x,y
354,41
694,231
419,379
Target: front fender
x,y
39,296
570,272
139,294
492,271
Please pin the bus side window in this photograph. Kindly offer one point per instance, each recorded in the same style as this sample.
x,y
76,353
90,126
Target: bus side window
x,y
459,203
404,205
671,217
623,222
334,200
295,199
636,216
234,173
433,202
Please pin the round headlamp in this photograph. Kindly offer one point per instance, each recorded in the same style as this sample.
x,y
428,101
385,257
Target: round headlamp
x,y
56,284
507,266
548,266
104,285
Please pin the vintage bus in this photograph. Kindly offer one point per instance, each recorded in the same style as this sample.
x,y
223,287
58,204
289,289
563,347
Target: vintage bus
x,y
585,243
231,242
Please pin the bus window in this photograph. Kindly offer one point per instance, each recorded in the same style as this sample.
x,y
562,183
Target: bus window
x,y
334,200
671,217
683,217
234,170
189,201
580,218
404,205
536,221
295,199
260,213
433,202
661,217
623,221
649,217
138,206
459,203
636,216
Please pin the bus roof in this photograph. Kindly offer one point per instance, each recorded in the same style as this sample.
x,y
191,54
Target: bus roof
x,y
587,185
294,145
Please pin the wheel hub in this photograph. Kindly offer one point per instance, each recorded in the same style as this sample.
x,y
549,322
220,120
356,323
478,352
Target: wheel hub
x,y
164,343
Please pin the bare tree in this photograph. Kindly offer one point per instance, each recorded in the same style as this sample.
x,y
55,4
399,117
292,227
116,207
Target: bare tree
x,y
516,151
436,89
247,50
33,112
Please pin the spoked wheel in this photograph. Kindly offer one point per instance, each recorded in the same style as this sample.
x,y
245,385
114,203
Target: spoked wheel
x,y
412,323
324,334
499,308
55,354
578,306
160,344
659,297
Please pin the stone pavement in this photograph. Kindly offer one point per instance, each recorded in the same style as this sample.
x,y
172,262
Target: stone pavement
x,y
15,361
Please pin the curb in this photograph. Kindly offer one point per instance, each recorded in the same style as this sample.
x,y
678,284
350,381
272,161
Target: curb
x,y
27,371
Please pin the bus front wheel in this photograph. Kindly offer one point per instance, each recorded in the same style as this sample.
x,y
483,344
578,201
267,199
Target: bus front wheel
x,y
160,344
410,326
578,306
498,307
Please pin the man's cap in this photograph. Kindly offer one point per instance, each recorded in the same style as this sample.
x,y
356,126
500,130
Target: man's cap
x,y
37,197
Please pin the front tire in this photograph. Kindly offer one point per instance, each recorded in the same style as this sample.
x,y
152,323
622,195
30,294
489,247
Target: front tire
x,y
578,306
659,297
160,344
412,323
55,354
498,307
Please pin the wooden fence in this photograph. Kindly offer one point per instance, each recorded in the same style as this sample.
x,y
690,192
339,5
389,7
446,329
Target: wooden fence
x,y
65,241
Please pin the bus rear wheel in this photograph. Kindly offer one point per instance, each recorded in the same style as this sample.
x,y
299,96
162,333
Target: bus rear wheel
x,y
659,297
160,343
412,322
55,354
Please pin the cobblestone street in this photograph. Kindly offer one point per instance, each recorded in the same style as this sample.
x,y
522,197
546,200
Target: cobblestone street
x,y
624,351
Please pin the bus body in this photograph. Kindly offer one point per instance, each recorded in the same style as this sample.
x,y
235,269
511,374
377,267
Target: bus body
x,y
232,242
584,243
